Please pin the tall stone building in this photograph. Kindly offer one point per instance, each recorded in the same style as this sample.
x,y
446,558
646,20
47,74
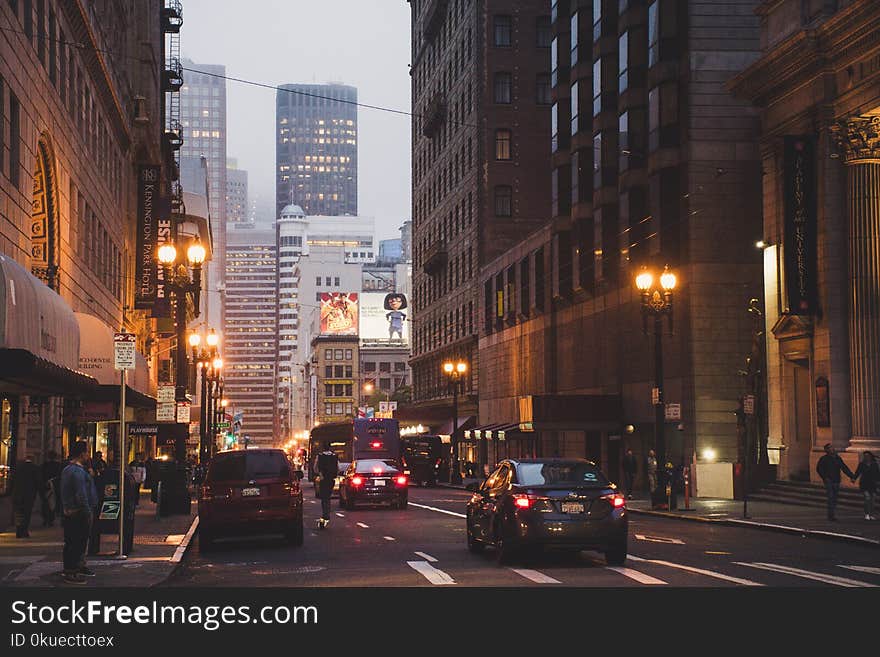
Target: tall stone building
x,y
653,164
817,84
316,148
236,194
80,111
481,167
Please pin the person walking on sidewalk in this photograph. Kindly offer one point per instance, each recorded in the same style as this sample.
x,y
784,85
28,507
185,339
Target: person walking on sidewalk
x,y
829,468
78,498
868,474
630,467
26,484
328,468
651,469
51,471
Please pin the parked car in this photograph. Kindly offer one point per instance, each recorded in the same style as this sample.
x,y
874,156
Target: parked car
x,y
527,505
253,491
374,481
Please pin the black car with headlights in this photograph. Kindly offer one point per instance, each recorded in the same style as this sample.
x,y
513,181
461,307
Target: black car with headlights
x,y
528,504
374,481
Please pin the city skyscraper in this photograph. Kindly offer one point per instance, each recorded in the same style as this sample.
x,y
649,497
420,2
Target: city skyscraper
x,y
236,193
316,149
203,118
250,337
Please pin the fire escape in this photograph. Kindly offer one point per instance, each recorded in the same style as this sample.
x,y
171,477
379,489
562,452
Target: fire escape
x,y
172,81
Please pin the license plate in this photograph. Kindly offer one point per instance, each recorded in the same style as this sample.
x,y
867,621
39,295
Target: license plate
x,y
572,507
379,482
250,492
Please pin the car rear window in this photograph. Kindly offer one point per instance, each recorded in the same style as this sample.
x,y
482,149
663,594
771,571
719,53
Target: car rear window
x,y
564,474
368,466
249,465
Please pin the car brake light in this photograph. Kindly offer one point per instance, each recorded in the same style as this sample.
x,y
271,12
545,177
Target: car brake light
x,y
616,500
376,444
401,481
522,501
357,481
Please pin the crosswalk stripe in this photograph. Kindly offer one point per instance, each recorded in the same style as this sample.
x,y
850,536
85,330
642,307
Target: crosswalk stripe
x,y
433,508
862,569
536,576
426,557
642,578
806,574
341,515
360,524
389,538
700,571
433,575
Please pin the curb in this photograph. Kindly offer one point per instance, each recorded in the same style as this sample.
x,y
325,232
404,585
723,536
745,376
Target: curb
x,y
177,558
732,522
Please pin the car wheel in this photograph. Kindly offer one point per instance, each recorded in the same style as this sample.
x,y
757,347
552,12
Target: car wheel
x,y
206,541
295,533
615,555
505,550
473,544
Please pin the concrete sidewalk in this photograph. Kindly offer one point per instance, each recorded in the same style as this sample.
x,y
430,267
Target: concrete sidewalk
x,y
159,544
768,516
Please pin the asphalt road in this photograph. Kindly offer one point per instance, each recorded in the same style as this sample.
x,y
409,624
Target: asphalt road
x,y
425,546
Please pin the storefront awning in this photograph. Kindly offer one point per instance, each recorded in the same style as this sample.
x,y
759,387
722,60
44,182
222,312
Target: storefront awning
x,y
463,423
23,373
499,431
96,359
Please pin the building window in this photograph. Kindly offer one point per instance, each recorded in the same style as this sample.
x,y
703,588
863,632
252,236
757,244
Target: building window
x,y
597,19
623,62
327,281
369,367
328,371
338,371
399,367
502,144
385,384
539,279
653,33
14,139
503,83
336,281
542,89
328,409
524,300
348,354
554,61
318,281
337,354
574,108
574,38
654,119
503,29
384,367
597,87
554,128
543,32
597,160
503,201
328,389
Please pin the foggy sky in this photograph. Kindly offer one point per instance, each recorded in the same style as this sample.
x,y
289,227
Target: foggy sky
x,y
364,43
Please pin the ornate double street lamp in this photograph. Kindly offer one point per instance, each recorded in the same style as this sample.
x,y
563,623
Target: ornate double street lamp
x,y
455,374
657,303
182,283
203,358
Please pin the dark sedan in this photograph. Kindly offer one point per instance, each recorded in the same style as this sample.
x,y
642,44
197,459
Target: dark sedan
x,y
529,504
374,481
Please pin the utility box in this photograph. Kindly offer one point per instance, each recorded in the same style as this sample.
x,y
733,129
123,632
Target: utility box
x,y
715,480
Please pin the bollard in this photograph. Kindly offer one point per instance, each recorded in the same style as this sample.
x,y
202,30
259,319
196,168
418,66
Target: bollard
x,y
687,485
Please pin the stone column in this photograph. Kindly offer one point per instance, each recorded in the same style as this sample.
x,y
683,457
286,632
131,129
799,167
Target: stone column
x,y
859,142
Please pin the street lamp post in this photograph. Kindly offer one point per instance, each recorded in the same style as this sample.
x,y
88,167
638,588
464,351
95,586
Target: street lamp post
x,y
214,381
657,303
455,373
203,359
181,283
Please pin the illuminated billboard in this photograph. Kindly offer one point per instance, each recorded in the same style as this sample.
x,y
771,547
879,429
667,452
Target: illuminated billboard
x,y
339,313
384,319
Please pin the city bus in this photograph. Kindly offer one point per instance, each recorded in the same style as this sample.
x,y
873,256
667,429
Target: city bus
x,y
351,440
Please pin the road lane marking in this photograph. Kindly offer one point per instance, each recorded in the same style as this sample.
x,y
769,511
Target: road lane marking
x,y
389,538
700,571
536,576
341,515
807,574
659,539
360,524
181,549
426,557
716,552
434,508
433,575
862,569
642,578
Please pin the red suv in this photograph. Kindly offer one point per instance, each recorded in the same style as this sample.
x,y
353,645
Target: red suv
x,y
252,491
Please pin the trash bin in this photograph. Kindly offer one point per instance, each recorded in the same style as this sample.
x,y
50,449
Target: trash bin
x,y
175,498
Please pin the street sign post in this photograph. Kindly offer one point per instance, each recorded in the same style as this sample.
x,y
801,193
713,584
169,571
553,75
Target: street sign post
x,y
749,404
123,360
673,412
166,412
183,412
165,394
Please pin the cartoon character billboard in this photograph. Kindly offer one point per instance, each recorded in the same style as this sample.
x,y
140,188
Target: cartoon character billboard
x,y
339,313
384,318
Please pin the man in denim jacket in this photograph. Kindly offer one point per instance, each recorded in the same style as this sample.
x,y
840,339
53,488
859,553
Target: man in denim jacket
x,y
78,498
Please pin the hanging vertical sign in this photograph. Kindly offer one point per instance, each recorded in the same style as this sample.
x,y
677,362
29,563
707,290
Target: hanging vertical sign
x,y
800,224
164,235
145,259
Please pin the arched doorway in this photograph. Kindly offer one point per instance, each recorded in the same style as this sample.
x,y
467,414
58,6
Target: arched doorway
x,y
45,227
